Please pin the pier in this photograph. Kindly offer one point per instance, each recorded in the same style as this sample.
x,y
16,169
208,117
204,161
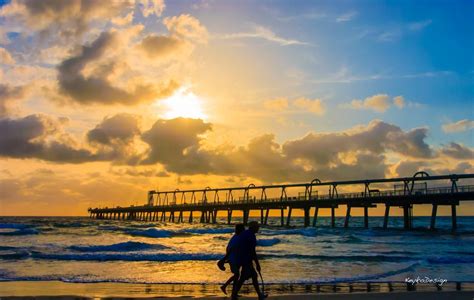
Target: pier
x,y
310,197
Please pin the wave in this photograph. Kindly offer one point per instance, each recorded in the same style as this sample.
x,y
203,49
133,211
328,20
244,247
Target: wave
x,y
461,252
450,260
208,230
410,268
347,258
70,225
13,226
127,256
150,232
267,242
120,247
111,228
296,231
14,255
3,248
350,239
25,231
142,225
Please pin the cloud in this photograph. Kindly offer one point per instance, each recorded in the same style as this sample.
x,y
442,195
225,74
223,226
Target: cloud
x,y
316,15
458,151
420,25
96,87
314,106
343,75
377,137
378,103
123,20
5,57
4,40
390,36
346,17
261,158
39,136
120,128
401,30
408,168
161,46
178,145
151,7
64,19
278,104
186,27
174,143
461,125
261,32
399,102
9,96
185,32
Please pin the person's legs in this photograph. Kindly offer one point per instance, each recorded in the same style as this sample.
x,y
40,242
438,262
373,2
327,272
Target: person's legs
x,y
244,275
232,278
256,285
236,287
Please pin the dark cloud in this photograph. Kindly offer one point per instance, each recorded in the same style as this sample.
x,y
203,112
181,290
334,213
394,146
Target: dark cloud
x,y
265,159
178,145
185,31
96,87
30,137
121,128
8,96
355,153
377,137
175,144
458,151
18,135
63,19
409,168
261,158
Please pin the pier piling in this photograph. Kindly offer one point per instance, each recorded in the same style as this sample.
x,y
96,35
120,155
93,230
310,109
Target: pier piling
x,y
315,217
387,214
348,215
453,217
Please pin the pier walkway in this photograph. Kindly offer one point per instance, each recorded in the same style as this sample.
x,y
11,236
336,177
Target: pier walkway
x,y
171,206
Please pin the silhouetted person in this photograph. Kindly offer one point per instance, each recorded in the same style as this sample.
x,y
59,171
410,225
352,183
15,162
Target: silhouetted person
x,y
231,257
246,255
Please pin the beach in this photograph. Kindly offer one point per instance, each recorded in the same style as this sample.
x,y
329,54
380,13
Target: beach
x,y
63,290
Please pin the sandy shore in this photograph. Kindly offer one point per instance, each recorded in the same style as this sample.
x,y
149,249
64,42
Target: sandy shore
x,y
63,290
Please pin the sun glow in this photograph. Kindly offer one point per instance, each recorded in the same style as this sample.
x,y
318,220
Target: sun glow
x,y
183,104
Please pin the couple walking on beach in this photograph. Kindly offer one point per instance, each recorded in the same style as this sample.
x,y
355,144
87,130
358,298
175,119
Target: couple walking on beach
x,y
241,255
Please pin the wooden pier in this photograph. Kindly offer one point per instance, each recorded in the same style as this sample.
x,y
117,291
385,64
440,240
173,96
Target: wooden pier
x,y
171,206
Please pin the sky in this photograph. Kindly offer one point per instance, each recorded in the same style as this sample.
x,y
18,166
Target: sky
x,y
100,103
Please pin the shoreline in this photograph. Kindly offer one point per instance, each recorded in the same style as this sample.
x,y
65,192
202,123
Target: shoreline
x,y
353,290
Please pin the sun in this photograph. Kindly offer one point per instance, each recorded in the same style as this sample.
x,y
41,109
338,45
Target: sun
x,y
183,103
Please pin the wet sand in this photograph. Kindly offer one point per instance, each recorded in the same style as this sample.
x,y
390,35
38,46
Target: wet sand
x,y
63,290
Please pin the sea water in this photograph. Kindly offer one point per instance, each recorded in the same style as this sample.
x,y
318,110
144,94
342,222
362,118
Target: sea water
x,y
87,250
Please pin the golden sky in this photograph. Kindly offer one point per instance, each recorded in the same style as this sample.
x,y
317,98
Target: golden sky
x,y
100,103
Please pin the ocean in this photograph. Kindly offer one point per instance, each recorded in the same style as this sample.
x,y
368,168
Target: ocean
x,y
83,250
